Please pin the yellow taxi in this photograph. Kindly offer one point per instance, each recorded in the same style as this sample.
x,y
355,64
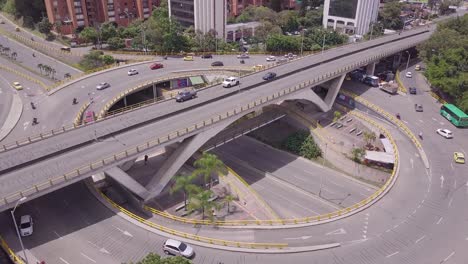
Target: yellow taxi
x,y
188,58
17,86
458,157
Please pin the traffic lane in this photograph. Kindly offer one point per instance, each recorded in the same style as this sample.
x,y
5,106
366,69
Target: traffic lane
x,y
71,225
30,58
162,127
287,201
330,185
18,69
6,97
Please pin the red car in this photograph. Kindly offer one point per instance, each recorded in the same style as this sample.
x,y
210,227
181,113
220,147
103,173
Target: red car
x,y
156,66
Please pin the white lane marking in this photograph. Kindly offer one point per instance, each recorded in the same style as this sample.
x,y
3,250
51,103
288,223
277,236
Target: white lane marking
x,y
332,182
442,181
395,226
419,239
455,184
440,220
421,121
412,163
393,254
103,250
64,261
388,230
448,257
451,165
434,119
340,231
123,232
450,202
295,238
414,211
90,259
57,235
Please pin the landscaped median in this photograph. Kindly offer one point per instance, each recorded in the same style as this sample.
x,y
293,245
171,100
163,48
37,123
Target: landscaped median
x,y
15,258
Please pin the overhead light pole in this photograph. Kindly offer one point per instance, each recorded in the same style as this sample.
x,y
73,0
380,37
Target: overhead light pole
x,y
407,63
16,227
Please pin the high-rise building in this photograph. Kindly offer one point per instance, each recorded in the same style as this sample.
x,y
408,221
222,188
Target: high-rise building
x,y
235,7
81,13
350,16
203,15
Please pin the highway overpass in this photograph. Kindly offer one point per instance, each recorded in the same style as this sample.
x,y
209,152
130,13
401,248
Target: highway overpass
x,y
42,166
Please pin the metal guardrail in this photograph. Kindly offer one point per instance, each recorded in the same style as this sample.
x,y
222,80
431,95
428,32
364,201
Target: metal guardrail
x,y
387,115
179,133
214,241
15,258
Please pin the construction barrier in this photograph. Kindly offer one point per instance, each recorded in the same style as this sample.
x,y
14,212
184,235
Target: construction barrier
x,y
15,258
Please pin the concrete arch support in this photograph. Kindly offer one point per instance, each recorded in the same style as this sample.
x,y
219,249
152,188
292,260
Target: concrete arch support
x,y
180,155
127,181
334,86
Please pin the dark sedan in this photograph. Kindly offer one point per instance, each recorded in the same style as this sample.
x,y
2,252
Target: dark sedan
x,y
217,63
269,76
206,56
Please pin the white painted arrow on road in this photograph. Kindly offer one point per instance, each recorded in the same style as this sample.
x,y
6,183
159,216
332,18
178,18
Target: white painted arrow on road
x,y
123,232
340,231
442,181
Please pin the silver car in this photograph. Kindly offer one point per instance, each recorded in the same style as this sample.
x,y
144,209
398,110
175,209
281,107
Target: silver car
x,y
102,86
177,248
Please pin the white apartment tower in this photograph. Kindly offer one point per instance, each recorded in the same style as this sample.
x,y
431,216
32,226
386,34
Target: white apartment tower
x,y
203,15
350,16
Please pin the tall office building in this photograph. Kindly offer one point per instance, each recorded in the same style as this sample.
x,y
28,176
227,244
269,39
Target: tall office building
x,y
82,13
350,16
235,7
203,15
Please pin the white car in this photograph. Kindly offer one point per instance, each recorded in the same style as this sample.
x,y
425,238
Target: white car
x,y
408,75
231,81
177,248
102,86
445,133
271,58
26,225
132,72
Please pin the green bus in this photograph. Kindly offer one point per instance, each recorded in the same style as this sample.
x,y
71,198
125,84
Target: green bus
x,y
454,115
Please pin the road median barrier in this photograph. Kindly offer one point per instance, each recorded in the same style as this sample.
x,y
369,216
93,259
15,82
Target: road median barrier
x,y
8,69
11,254
79,116
437,97
401,86
207,240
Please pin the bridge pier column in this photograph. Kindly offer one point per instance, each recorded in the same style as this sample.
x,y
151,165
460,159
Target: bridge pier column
x,y
127,165
370,69
125,101
155,91
333,89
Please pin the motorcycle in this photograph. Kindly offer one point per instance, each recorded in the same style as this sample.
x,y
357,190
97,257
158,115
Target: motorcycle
x,y
34,121
398,116
74,101
33,106
242,61
420,135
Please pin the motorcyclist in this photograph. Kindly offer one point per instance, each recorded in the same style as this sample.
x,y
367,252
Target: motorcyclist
x,y
74,101
34,121
420,135
398,116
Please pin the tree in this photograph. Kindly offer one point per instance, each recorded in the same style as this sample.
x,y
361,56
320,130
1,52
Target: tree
x,y
369,137
152,258
108,30
10,7
185,183
357,154
40,66
202,201
336,116
208,165
309,149
116,43
228,199
275,5
282,43
58,27
288,20
45,26
89,34
107,59
257,13
390,15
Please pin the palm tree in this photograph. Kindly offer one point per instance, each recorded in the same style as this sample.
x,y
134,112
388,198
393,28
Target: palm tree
x,y
228,199
184,182
369,137
40,66
7,50
202,202
207,165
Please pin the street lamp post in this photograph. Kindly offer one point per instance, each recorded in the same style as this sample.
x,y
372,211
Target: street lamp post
x,y
407,63
302,40
16,227
323,42
321,175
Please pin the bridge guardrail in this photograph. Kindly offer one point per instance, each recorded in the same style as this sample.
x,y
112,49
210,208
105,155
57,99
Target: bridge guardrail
x,y
15,258
304,220
208,240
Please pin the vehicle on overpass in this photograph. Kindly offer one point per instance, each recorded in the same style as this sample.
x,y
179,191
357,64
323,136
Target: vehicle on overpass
x,y
132,72
444,132
217,63
188,58
412,90
89,117
454,114
178,248
206,56
17,86
459,157
102,86
231,81
269,76
156,66
271,58
186,95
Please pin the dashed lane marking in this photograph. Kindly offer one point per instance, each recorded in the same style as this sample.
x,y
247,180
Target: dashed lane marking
x,y
448,257
64,261
419,239
90,259
440,220
393,254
